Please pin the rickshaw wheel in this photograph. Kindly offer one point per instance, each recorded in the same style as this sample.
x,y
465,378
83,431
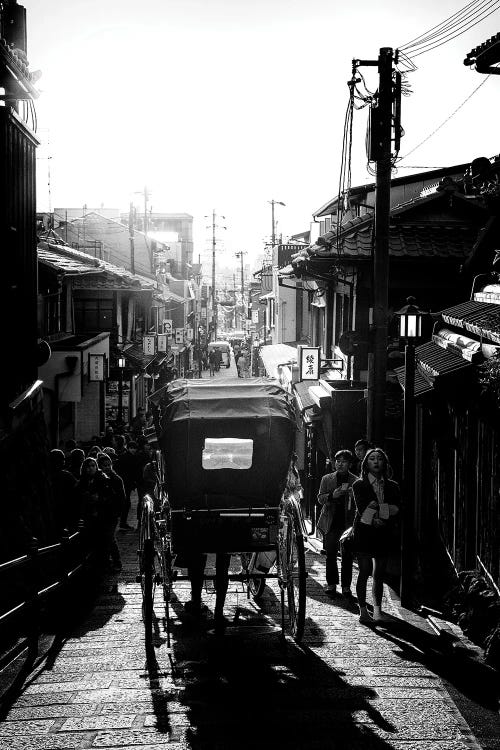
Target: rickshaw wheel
x,y
294,573
148,584
256,586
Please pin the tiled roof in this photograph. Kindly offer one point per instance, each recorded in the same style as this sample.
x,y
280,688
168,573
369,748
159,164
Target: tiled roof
x,y
103,275
422,384
66,264
114,281
433,363
405,240
479,318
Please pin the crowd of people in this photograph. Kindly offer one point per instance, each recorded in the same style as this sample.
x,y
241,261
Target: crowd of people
x,y
94,485
359,517
357,495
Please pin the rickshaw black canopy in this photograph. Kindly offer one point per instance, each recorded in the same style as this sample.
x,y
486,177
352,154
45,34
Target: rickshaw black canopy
x,y
187,412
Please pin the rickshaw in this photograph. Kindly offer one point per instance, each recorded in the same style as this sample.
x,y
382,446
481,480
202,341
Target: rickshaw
x,y
225,484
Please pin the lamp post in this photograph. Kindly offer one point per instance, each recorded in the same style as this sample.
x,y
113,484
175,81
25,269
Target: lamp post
x,y
410,330
121,367
273,235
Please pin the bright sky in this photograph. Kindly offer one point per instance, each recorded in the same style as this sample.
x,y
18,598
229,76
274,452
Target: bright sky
x,y
228,104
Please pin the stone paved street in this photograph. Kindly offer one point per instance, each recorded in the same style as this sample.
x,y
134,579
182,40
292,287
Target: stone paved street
x,y
348,686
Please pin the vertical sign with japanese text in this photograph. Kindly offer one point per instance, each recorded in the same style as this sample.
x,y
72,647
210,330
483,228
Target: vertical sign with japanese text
x,y
309,361
148,345
168,327
162,342
97,367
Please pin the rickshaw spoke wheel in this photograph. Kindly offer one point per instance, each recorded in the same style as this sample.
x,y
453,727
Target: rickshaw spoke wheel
x,y
148,585
256,584
295,576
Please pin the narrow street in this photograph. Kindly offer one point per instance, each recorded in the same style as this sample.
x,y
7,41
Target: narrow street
x,y
347,686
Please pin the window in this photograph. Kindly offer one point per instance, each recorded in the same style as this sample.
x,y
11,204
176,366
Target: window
x,y
94,314
227,453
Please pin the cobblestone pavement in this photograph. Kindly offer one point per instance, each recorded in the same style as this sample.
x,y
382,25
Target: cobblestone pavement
x,y
347,686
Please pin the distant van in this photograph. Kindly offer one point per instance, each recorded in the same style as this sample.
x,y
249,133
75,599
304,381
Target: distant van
x,y
224,348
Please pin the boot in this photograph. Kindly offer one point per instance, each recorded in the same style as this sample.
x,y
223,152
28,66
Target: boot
x,y
364,617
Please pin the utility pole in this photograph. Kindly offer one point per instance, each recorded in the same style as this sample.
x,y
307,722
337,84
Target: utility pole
x,y
214,226
240,255
146,227
381,251
131,236
214,301
380,144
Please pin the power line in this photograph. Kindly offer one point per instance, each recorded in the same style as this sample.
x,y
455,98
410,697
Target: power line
x,y
447,119
424,43
475,8
450,22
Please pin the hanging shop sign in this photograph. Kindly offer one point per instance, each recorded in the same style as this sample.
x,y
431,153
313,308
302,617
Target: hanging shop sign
x,y
148,345
168,327
179,335
97,365
189,334
309,361
162,342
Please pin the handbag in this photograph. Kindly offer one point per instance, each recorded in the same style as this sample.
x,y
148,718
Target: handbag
x,y
347,539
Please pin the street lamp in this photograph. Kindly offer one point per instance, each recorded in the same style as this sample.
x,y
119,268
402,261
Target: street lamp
x,y
273,235
121,366
410,330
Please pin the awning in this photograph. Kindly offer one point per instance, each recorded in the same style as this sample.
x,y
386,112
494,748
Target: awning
x,y
274,355
302,395
432,364
140,361
479,318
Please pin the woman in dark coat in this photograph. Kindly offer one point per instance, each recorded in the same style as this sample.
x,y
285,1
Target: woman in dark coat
x,y
378,501
100,509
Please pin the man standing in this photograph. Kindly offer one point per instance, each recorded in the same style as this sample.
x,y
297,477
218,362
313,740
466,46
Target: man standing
x,y
127,466
360,448
212,361
337,514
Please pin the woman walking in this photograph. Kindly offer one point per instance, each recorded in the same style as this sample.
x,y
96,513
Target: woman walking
x,y
378,500
99,508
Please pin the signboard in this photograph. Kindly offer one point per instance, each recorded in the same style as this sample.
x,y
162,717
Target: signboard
x,y
97,367
168,327
309,361
162,342
149,345
179,335
189,334
255,316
